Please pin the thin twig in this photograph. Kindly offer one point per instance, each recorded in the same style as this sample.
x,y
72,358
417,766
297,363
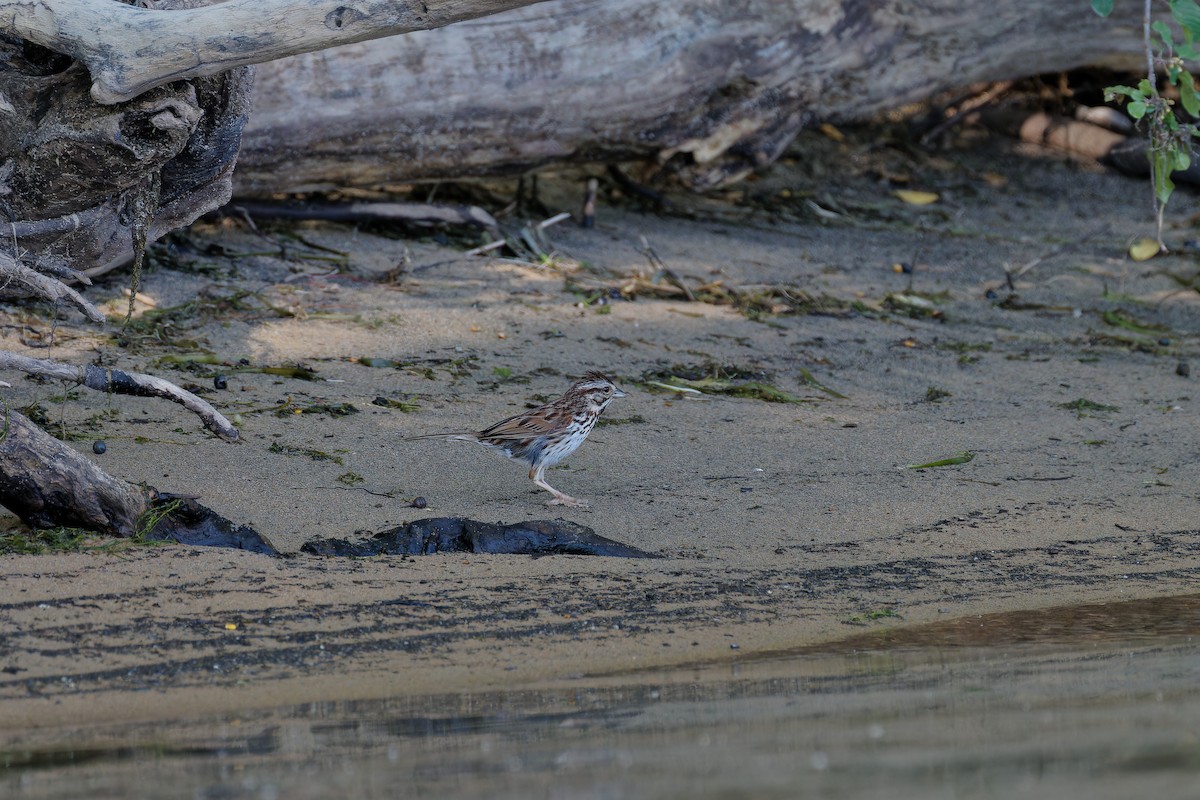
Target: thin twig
x,y
486,248
557,218
541,226
666,271
46,287
1012,275
966,108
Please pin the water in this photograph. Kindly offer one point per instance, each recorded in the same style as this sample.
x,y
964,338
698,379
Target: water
x,y
1097,701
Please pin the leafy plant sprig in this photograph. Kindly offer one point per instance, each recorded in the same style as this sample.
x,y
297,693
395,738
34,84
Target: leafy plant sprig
x,y
1170,139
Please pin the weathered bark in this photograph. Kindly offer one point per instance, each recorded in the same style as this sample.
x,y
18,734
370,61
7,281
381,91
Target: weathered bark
x,y
80,181
47,484
711,90
129,49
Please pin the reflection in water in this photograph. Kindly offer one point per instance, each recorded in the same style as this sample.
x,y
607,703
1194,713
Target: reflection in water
x,y
1098,701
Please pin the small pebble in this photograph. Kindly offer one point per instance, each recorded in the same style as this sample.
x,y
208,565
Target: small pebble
x,y
220,382
1164,342
419,502
1183,369
735,646
990,294
98,447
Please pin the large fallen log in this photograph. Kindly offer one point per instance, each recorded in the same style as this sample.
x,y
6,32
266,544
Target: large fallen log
x,y
709,90
84,179
131,49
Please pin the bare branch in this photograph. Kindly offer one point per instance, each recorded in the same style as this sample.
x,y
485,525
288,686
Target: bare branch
x,y
47,287
120,382
413,213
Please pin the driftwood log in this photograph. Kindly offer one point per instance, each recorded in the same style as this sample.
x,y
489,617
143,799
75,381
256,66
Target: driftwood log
x,y
130,50
708,90
46,483
85,179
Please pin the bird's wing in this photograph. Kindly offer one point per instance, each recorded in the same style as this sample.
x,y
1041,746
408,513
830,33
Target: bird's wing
x,y
521,426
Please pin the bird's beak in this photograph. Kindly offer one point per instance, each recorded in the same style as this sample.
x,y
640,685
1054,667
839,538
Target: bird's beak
x,y
618,393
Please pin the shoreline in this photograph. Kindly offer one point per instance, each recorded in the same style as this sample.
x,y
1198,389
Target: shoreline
x,y
784,524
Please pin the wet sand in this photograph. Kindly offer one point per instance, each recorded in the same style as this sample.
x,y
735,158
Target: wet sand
x,y
1093,700
784,525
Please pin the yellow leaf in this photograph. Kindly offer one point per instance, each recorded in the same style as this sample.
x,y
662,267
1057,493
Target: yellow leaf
x,y
1143,249
231,626
915,198
831,132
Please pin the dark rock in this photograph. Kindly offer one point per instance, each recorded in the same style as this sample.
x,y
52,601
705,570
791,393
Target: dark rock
x,y
194,524
458,535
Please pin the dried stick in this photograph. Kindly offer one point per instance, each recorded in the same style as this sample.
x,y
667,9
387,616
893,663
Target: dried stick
x,y
589,204
414,213
1012,275
120,382
44,286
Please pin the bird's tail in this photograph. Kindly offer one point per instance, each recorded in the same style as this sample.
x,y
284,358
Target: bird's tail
x,y
468,437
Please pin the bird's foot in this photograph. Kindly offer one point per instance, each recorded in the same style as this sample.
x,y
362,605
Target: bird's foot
x,y
568,501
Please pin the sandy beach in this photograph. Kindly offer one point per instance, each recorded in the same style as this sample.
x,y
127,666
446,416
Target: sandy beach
x,y
782,524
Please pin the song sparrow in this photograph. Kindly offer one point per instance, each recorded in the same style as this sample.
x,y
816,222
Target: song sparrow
x,y
545,435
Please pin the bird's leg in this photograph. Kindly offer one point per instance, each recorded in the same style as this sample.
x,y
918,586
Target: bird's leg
x,y
537,475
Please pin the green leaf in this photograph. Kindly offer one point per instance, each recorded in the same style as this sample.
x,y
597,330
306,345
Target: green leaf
x,y
1164,32
1102,7
1136,109
1187,94
962,458
1120,90
1162,160
1187,14
1183,160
